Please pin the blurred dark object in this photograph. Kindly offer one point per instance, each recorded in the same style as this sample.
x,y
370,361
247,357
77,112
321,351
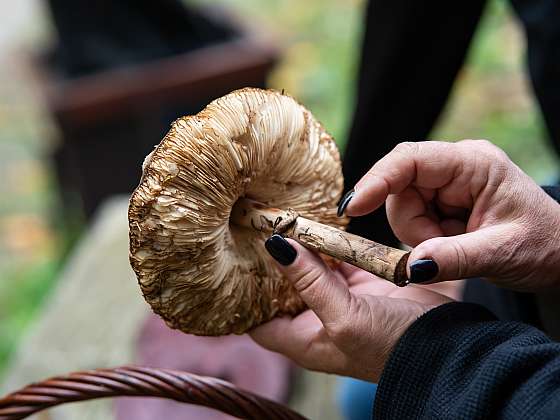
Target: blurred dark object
x,y
411,55
105,34
123,71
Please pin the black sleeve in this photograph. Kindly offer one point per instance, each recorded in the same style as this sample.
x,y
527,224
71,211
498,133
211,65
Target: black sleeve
x,y
458,362
554,192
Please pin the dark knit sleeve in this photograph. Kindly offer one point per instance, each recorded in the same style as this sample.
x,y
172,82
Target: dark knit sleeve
x,y
458,362
554,192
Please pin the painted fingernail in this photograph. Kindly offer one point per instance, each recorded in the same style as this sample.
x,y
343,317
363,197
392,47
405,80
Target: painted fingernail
x,y
422,271
344,202
280,249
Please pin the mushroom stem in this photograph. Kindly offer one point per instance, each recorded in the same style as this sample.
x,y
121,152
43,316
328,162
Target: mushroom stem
x,y
383,261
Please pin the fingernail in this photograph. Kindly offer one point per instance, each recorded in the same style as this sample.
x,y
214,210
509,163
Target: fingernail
x,y
422,271
280,249
344,202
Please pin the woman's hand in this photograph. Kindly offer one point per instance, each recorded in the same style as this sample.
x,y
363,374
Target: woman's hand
x,y
467,207
354,321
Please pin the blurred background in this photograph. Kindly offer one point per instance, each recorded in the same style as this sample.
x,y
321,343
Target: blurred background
x,y
75,123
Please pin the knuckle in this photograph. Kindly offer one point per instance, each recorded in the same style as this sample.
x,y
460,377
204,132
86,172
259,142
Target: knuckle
x,y
484,147
490,150
461,261
306,278
500,168
491,158
479,144
484,144
498,172
406,148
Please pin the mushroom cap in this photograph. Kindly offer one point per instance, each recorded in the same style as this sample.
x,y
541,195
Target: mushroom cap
x,y
200,273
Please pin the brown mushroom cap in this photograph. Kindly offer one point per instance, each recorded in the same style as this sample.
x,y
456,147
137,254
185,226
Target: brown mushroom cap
x,y
199,272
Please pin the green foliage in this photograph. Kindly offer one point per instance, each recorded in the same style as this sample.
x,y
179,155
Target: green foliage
x,y
21,293
321,44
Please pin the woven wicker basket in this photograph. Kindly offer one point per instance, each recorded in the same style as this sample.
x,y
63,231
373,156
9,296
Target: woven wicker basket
x,y
141,382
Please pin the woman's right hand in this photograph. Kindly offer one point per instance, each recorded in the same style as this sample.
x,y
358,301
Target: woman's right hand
x,y
470,209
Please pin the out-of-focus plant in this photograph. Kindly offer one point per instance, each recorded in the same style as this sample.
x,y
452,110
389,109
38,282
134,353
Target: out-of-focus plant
x,y
491,99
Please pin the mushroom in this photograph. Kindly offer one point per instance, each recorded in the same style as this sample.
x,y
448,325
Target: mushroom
x,y
251,163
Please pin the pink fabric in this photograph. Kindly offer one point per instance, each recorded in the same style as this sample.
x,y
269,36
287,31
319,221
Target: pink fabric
x,y
234,358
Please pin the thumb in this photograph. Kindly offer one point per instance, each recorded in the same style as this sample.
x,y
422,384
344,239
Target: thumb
x,y
474,254
316,283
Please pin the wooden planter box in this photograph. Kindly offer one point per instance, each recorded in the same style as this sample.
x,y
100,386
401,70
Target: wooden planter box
x,y
109,121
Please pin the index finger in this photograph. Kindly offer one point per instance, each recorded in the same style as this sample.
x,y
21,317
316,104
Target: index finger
x,y
430,164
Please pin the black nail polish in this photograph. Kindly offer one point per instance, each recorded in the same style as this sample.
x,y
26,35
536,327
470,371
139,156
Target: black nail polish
x,y
280,249
344,202
422,271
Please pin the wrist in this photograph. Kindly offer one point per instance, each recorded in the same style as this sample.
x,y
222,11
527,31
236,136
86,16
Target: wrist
x,y
415,312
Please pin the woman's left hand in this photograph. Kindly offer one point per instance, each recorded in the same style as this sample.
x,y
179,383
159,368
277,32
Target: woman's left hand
x,y
354,318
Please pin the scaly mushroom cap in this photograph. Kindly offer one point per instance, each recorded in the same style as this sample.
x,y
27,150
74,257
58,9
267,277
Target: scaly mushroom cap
x,y
200,273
